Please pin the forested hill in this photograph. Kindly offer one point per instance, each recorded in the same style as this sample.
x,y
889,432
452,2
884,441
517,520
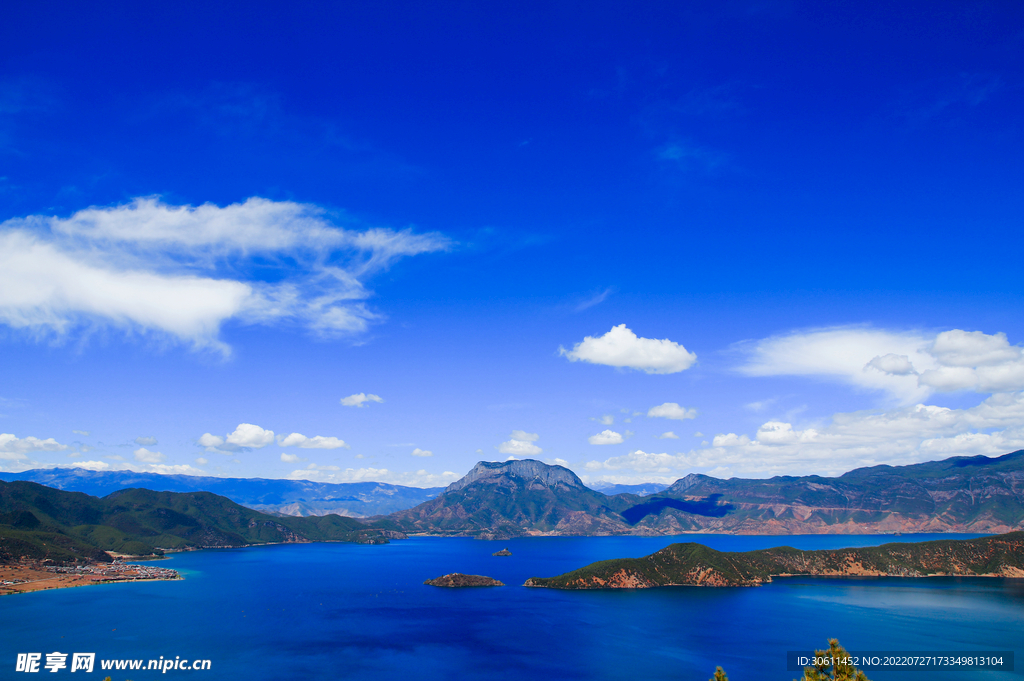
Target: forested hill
x,y
41,522
693,564
288,497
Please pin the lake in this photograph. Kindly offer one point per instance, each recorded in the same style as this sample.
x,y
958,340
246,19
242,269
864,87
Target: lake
x,y
344,611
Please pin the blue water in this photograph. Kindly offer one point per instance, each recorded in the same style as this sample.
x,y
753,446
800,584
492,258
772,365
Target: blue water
x,y
342,611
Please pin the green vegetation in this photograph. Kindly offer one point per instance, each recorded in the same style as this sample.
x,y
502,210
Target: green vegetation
x,y
697,565
43,523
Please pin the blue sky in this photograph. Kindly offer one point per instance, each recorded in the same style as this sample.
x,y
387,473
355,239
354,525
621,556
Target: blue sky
x,y
745,238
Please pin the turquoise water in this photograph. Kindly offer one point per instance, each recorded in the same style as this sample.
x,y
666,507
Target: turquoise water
x,y
342,611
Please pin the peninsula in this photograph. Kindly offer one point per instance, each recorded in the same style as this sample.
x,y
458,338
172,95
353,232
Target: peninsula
x,y
691,564
34,575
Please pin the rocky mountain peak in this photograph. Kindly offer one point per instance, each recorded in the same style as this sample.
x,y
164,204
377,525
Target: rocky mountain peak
x,y
685,483
528,469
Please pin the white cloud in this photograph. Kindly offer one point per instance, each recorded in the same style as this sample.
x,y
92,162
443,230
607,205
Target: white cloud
x,y
909,366
606,437
639,460
315,467
148,266
521,444
843,353
896,365
245,436
620,347
605,420
316,442
559,462
201,461
249,435
975,361
175,469
668,436
958,348
211,442
145,441
291,458
81,432
902,436
91,465
144,455
359,399
637,467
730,440
671,410
161,468
14,445
420,478
422,452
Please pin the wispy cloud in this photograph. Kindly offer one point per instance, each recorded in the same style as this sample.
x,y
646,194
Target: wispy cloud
x,y
938,98
183,271
595,299
907,365
691,157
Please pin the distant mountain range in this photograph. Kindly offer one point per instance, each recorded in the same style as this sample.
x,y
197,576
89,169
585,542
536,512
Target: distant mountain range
x,y
40,522
697,565
513,498
516,498
285,497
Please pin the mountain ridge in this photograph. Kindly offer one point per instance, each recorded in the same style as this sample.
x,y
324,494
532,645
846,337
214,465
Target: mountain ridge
x,y
505,499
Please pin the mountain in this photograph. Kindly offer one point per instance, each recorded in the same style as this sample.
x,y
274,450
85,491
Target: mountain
x,y
41,522
961,494
642,490
512,498
697,565
286,497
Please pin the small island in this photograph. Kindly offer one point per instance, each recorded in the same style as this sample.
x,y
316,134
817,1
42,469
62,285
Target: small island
x,y
503,552
457,579
692,564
